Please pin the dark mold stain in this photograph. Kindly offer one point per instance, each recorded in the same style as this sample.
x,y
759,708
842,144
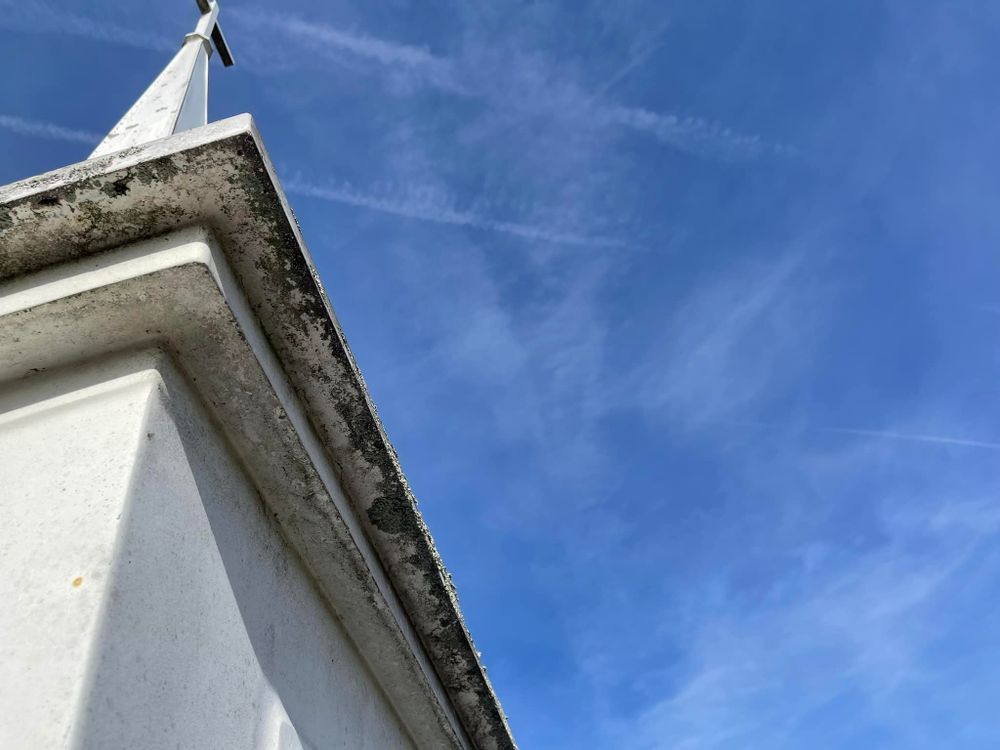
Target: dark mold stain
x,y
392,517
117,188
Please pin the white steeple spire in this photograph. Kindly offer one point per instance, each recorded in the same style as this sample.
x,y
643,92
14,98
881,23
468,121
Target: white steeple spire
x,y
178,99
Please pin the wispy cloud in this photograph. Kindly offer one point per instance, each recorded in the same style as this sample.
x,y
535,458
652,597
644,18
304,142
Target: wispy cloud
x,y
913,437
47,130
421,203
857,632
731,342
836,599
540,365
691,135
338,45
438,207
640,52
35,16
695,135
900,435
387,53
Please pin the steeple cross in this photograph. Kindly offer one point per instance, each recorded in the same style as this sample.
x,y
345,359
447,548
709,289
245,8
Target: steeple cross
x,y
208,29
178,99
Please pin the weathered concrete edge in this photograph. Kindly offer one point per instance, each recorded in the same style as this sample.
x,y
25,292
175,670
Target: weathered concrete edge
x,y
296,314
175,292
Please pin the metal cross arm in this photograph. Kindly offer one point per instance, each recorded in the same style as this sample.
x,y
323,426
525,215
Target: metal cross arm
x,y
208,27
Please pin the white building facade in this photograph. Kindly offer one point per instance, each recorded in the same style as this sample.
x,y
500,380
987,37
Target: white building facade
x,y
208,541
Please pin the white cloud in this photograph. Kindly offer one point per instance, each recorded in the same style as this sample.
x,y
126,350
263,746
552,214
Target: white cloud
x,y
915,437
36,16
332,44
695,135
731,342
47,130
638,55
906,434
413,64
850,623
434,205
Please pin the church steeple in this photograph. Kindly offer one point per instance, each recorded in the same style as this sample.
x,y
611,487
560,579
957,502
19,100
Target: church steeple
x,y
178,99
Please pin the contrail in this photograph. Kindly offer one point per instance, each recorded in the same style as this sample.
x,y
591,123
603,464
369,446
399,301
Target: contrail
x,y
387,53
47,130
883,435
38,16
422,205
436,71
640,53
441,211
695,135
692,135
916,438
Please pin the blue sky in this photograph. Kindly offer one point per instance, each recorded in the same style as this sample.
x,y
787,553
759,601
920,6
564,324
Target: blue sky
x,y
683,317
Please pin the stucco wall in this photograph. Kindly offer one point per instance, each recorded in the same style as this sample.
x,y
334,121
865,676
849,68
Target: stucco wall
x,y
155,603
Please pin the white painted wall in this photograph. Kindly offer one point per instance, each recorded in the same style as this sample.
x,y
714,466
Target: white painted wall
x,y
149,600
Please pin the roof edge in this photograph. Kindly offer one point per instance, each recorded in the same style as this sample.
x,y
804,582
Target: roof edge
x,y
298,319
